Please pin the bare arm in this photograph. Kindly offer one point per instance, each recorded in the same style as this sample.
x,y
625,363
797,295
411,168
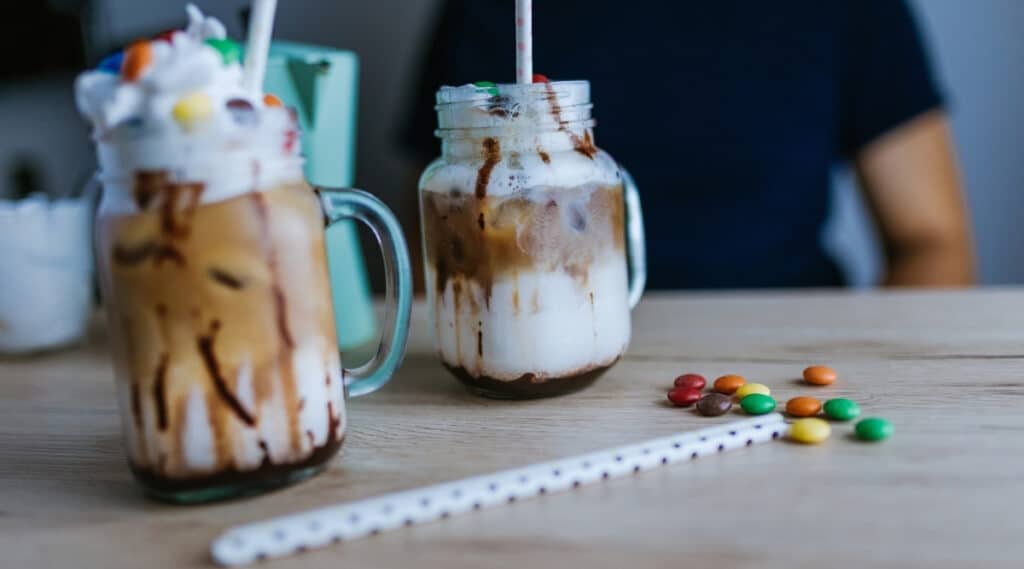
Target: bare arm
x,y
912,184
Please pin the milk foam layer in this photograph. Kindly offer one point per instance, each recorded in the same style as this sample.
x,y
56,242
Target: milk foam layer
x,y
135,129
539,323
560,169
193,451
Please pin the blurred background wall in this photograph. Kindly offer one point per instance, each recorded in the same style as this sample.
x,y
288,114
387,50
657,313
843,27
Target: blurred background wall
x,y
977,47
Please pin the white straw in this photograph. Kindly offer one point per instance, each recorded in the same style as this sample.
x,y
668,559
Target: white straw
x,y
261,26
524,41
292,534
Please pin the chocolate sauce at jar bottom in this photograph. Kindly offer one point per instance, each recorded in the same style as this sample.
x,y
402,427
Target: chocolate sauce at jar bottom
x,y
267,475
527,386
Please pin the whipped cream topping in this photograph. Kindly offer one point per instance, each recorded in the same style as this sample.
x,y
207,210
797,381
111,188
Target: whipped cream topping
x,y
542,131
186,112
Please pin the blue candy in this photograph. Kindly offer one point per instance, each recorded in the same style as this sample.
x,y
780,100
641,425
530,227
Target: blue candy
x,y
112,62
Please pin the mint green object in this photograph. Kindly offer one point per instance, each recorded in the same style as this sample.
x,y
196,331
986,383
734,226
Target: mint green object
x,y
321,84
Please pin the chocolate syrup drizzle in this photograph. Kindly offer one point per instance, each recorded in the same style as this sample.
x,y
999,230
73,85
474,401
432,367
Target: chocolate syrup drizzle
x,y
280,304
159,393
220,384
132,256
175,217
136,406
584,145
492,155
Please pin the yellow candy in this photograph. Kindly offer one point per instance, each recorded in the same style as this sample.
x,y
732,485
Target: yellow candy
x,y
752,388
192,109
810,431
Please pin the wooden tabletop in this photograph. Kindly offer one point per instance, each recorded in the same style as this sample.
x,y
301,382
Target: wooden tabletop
x,y
946,491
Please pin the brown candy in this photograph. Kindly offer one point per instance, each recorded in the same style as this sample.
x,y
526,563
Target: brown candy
x,y
714,404
803,406
820,375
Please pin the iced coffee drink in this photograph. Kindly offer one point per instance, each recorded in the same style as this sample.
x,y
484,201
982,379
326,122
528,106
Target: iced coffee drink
x,y
214,277
524,241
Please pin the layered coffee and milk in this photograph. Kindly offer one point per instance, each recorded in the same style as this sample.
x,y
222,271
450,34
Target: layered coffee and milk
x,y
212,257
523,225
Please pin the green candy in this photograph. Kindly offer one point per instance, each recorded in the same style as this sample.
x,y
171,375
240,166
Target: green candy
x,y
487,87
757,404
873,429
229,49
841,409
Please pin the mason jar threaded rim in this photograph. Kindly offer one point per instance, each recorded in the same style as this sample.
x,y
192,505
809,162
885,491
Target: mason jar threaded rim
x,y
474,111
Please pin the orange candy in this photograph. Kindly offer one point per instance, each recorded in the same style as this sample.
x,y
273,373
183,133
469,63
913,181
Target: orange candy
x,y
728,384
820,375
137,58
803,406
272,100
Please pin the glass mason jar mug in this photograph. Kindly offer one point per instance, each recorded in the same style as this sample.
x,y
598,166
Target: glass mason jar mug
x,y
526,227
227,368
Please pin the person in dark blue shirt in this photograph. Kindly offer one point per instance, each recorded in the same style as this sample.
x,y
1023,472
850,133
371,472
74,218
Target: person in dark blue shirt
x,y
730,115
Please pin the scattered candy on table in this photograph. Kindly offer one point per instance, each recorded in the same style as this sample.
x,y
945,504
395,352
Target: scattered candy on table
x,y
229,50
752,388
809,431
820,375
691,380
137,58
755,399
873,429
803,406
192,109
538,78
271,100
728,384
714,404
842,409
758,404
683,396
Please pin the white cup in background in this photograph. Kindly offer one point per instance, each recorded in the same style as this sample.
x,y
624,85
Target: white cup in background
x,y
46,268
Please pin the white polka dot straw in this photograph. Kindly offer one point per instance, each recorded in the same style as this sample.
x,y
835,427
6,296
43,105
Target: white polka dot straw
x,y
295,533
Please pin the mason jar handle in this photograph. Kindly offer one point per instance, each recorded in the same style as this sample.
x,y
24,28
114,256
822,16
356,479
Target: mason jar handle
x,y
339,204
635,240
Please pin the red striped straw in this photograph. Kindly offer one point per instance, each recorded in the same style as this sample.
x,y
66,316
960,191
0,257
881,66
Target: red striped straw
x,y
524,41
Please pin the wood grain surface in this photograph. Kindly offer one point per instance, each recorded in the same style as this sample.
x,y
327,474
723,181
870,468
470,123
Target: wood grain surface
x,y
946,367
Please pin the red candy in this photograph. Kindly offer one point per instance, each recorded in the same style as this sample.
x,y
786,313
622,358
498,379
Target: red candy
x,y
538,78
691,380
683,396
289,140
166,35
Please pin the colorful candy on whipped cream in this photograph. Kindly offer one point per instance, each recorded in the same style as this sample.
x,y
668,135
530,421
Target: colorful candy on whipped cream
x,y
178,103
